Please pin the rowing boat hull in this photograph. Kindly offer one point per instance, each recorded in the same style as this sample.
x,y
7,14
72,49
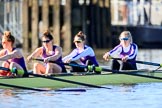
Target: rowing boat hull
x,y
106,79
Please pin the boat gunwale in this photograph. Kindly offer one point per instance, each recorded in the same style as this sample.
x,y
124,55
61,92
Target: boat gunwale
x,y
130,72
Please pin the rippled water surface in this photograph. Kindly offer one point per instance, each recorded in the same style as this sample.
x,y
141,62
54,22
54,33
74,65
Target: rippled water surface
x,y
130,96
145,95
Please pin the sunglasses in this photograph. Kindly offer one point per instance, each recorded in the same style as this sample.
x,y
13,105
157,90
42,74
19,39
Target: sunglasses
x,y
77,41
126,38
46,41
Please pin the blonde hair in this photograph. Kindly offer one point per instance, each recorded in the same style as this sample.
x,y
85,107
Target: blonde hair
x,y
7,33
128,34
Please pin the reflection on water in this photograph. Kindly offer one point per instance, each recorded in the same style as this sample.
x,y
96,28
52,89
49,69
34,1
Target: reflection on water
x,y
122,96
154,55
6,93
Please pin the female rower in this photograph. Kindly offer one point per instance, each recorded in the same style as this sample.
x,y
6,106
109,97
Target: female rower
x,y
48,52
12,57
82,52
126,50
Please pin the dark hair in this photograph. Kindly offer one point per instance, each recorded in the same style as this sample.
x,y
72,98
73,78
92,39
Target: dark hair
x,y
81,35
8,36
47,34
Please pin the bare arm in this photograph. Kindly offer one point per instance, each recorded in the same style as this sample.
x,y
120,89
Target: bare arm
x,y
57,55
15,54
2,52
36,53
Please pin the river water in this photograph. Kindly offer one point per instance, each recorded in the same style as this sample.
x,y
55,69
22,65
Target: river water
x,y
120,96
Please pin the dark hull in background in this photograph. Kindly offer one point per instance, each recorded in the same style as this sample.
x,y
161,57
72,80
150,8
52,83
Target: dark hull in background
x,y
144,36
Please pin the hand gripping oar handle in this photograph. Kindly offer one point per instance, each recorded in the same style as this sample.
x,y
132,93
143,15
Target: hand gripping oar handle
x,y
141,62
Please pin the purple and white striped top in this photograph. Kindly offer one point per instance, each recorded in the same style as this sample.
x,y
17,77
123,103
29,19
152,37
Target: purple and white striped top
x,y
120,51
86,54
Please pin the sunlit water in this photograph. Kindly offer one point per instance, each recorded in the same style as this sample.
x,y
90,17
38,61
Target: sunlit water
x,y
132,96
122,96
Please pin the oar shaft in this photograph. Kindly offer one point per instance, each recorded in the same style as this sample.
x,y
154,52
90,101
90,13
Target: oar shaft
x,y
126,73
69,64
132,74
71,90
148,63
21,87
57,79
141,62
35,89
5,69
68,81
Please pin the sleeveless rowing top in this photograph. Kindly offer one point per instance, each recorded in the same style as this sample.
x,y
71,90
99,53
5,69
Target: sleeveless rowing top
x,y
59,60
19,61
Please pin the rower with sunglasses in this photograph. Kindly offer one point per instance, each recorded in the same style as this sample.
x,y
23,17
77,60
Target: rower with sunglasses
x,y
82,53
126,50
48,52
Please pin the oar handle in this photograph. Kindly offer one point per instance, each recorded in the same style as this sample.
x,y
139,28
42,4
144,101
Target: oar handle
x,y
38,59
69,64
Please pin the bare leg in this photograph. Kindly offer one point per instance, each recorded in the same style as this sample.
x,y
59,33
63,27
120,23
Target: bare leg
x,y
39,68
53,68
13,64
5,73
17,66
